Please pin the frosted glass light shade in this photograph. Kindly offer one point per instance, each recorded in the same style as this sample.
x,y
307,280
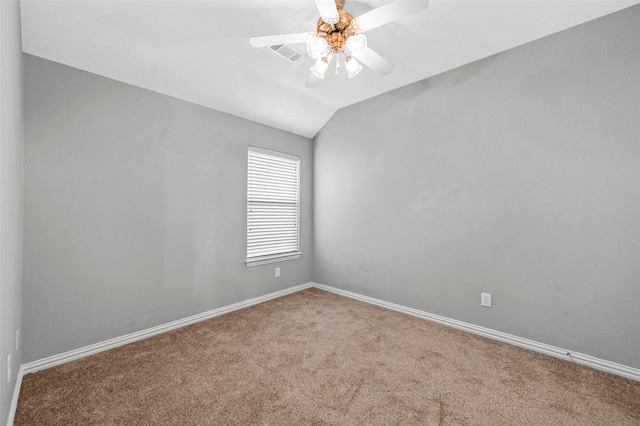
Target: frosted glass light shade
x,y
356,44
353,67
320,67
316,46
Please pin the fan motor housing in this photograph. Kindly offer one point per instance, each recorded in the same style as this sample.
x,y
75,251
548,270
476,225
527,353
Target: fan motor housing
x,y
337,34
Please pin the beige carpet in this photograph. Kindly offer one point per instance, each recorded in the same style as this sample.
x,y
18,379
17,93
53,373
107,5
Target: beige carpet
x,y
316,358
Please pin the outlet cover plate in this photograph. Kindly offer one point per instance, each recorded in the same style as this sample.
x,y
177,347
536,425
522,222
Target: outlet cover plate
x,y
485,299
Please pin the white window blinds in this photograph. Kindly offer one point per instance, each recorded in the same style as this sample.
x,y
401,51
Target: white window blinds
x,y
273,207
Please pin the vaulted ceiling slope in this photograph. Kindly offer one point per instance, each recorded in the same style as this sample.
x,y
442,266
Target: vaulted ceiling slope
x,y
198,51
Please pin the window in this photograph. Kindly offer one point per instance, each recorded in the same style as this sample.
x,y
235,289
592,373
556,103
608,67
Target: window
x,y
273,207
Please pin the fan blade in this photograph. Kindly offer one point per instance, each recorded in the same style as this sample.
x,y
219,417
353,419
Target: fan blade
x,y
328,11
273,40
375,62
388,13
313,81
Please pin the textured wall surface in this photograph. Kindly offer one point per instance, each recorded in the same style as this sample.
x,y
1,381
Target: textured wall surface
x,y
135,209
11,161
517,175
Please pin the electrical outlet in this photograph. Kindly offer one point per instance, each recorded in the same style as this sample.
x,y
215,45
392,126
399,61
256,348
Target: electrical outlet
x,y
485,299
9,368
277,272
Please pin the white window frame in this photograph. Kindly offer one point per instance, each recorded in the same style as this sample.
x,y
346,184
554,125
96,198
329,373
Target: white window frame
x,y
253,258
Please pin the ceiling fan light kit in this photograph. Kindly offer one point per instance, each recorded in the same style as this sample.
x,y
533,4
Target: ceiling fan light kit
x,y
333,39
336,32
339,32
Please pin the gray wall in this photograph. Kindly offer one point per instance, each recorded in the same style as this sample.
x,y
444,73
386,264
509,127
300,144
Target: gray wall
x,y
518,175
11,160
135,209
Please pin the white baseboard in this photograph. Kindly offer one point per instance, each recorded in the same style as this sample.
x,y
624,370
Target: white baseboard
x,y
54,360
578,358
14,399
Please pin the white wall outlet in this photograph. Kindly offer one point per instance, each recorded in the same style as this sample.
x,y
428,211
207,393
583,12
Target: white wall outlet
x,y
9,368
485,299
277,272
17,339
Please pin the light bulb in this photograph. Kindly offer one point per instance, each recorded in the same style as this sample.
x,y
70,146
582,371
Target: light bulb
x,y
356,44
316,46
353,67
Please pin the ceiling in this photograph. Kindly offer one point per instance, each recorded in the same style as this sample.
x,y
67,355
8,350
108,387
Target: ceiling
x,y
198,51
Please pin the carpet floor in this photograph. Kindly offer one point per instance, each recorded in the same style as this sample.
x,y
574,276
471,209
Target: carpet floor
x,y
317,358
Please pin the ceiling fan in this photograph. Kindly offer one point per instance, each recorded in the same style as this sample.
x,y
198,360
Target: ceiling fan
x,y
339,32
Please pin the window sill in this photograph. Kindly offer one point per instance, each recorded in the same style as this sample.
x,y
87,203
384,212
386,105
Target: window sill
x,y
263,260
